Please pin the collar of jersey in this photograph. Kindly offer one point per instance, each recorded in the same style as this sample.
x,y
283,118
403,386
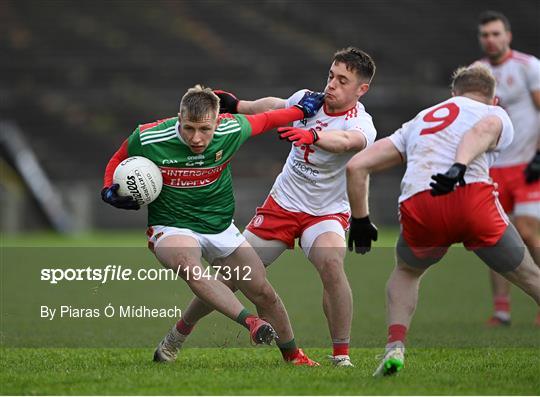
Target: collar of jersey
x,y
336,114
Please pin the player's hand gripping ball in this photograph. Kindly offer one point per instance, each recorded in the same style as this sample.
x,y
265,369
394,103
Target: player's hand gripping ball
x,y
110,196
137,181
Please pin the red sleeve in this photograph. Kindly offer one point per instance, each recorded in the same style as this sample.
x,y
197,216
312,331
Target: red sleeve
x,y
120,155
263,122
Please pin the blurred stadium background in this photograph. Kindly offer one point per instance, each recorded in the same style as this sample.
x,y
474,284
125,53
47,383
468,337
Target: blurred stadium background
x,y
76,77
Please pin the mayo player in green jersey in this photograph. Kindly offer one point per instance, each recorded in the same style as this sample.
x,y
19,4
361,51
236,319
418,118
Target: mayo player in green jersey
x,y
192,217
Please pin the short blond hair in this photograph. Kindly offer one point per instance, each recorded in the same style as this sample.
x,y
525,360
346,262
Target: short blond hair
x,y
198,102
476,78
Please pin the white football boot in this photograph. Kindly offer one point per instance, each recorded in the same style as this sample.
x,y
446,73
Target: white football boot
x,y
341,361
393,360
167,349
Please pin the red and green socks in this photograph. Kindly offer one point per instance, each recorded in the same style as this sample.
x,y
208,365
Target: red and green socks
x,y
289,350
244,317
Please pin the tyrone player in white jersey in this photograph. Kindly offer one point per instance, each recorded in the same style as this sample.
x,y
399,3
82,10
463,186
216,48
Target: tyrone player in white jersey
x,y
462,136
308,200
517,170
457,141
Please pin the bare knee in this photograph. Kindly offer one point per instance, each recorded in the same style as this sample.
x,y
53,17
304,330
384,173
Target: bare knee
x,y
263,295
183,264
331,272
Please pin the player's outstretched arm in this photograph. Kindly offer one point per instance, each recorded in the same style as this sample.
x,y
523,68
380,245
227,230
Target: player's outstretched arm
x,y
261,105
307,107
229,103
379,156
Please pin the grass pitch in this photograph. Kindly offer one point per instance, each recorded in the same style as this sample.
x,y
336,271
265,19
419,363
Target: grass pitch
x,y
244,371
450,350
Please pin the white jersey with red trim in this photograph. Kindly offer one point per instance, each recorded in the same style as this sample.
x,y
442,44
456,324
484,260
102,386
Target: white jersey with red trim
x,y
429,142
517,76
313,180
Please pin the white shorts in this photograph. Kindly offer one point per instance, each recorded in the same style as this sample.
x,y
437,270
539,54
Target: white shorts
x,y
213,246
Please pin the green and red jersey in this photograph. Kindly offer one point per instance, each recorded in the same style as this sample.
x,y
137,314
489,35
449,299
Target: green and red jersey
x,y
197,189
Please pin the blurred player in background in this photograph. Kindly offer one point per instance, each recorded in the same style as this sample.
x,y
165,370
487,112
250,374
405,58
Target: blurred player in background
x,y
458,140
309,200
192,217
517,170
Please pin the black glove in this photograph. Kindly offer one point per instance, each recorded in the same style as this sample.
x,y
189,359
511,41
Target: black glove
x,y
446,183
532,172
361,233
310,103
110,196
228,103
